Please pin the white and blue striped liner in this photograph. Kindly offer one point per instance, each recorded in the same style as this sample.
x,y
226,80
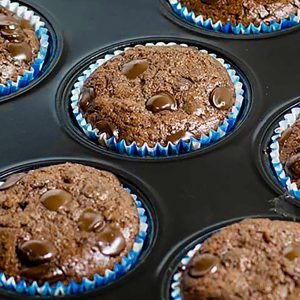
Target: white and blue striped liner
x,y
288,120
42,33
177,277
158,150
239,29
73,288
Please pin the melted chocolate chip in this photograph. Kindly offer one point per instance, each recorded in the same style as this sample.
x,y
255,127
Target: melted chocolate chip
x,y
7,20
106,127
11,181
285,135
180,135
292,166
135,68
55,199
111,241
13,35
37,252
203,264
20,51
45,272
292,251
162,101
91,220
221,98
86,98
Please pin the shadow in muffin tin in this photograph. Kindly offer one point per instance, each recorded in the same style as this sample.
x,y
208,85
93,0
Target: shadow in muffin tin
x,y
67,119
54,51
172,264
169,13
128,181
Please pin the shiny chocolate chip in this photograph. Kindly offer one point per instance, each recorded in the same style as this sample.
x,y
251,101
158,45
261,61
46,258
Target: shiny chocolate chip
x,y
111,241
55,199
86,98
20,51
203,264
221,98
36,252
135,68
292,251
45,272
11,181
7,20
13,35
107,127
161,101
292,166
285,135
180,135
91,220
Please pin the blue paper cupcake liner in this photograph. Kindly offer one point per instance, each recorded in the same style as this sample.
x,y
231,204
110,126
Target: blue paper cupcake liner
x,y
158,150
73,288
42,34
208,24
287,121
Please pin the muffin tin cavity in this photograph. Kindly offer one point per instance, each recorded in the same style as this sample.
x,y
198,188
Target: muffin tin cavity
x,y
182,143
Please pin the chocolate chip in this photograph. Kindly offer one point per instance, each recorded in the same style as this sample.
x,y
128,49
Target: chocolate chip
x,y
180,135
292,166
285,135
55,199
161,101
45,272
86,98
203,264
20,51
111,241
90,220
7,20
292,251
221,98
135,68
13,35
36,252
106,127
11,181
209,1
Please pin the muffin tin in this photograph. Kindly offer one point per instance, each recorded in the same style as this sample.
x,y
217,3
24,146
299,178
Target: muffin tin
x,y
184,194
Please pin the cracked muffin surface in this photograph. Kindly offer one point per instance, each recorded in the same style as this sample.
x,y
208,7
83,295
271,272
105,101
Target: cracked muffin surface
x,y
64,222
255,259
243,11
150,94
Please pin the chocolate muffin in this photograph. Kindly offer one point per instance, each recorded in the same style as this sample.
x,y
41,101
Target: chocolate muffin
x,y
64,222
252,260
243,11
19,45
158,94
289,151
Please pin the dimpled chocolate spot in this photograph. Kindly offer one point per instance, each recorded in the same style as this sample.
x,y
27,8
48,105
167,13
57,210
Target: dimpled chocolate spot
x,y
161,101
203,264
13,35
221,98
111,241
108,128
292,166
11,181
20,51
86,98
135,68
292,251
180,135
285,135
90,220
43,272
55,199
35,251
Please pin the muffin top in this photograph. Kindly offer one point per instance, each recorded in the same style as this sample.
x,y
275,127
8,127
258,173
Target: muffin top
x,y
243,11
64,222
19,45
255,259
151,94
289,151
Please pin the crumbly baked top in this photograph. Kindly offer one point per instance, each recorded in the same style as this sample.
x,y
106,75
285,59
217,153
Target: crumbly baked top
x,y
64,222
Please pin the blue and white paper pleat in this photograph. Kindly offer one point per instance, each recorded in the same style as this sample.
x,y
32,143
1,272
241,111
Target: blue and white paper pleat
x,y
74,288
287,121
177,277
158,150
218,26
42,34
